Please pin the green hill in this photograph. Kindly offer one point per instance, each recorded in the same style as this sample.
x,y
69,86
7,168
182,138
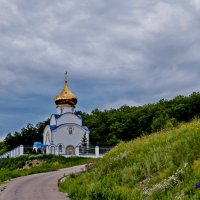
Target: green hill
x,y
163,165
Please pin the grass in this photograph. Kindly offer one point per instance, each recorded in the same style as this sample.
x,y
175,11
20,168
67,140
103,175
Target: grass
x,y
163,165
32,164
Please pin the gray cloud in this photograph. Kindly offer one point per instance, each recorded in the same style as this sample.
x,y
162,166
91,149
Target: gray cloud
x,y
116,52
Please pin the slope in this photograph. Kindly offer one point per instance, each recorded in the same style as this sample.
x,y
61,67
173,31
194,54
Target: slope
x,y
164,165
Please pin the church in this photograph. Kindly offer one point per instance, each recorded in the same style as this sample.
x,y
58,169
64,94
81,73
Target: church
x,y
65,131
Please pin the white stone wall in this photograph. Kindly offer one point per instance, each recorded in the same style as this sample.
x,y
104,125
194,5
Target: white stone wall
x,y
52,120
66,136
62,110
19,151
69,118
47,136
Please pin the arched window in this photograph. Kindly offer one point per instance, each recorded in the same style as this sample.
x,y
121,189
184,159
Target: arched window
x,y
60,147
70,130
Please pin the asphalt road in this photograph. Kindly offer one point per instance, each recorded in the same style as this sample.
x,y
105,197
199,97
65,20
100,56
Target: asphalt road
x,y
38,186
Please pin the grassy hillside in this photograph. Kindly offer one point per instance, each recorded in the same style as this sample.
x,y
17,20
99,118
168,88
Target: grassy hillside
x,y
32,164
164,165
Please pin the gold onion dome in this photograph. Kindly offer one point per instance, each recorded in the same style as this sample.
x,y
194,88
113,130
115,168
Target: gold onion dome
x,y
65,97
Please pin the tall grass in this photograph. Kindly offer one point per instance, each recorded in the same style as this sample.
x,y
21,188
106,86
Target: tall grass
x,y
164,165
14,167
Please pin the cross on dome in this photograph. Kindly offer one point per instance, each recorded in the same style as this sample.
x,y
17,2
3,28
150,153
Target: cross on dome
x,y
66,77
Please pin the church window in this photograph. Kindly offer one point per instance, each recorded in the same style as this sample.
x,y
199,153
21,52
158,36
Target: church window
x,y
70,130
60,148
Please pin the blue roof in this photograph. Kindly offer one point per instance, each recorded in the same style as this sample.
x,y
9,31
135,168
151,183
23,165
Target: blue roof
x,y
86,128
53,127
79,117
56,116
37,144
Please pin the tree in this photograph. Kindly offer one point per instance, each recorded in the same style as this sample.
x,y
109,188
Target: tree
x,y
84,141
3,148
27,136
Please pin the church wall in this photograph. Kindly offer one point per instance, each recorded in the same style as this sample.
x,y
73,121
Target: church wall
x,y
68,136
70,118
47,135
61,110
52,120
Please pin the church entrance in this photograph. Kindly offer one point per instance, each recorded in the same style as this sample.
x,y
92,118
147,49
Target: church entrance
x,y
70,150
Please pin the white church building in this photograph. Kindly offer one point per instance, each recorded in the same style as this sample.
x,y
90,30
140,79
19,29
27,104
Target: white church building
x,y
65,131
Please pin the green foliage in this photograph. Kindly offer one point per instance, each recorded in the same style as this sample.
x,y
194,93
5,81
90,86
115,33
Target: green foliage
x,y
27,136
108,127
163,165
3,148
84,141
163,122
23,165
13,163
196,168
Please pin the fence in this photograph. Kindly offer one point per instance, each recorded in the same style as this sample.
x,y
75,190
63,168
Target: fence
x,y
18,151
95,152
87,152
91,151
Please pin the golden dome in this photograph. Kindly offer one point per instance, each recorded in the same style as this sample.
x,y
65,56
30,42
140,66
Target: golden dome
x,y
65,97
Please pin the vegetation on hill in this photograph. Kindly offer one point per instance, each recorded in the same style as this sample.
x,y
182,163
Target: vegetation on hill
x,y
109,127
32,164
163,165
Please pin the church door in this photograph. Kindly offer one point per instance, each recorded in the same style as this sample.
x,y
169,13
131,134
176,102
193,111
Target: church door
x,y
70,150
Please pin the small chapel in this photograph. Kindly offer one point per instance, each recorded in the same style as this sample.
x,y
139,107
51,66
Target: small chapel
x,y
65,131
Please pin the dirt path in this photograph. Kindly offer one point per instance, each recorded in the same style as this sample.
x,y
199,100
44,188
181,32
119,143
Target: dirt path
x,y
38,186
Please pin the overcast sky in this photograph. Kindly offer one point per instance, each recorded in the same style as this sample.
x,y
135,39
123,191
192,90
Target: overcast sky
x,y
116,52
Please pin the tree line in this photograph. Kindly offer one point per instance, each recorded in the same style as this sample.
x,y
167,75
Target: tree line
x,y
27,136
109,127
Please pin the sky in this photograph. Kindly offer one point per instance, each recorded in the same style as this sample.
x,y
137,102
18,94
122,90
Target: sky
x,y
116,52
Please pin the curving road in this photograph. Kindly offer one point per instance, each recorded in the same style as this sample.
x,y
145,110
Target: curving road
x,y
38,186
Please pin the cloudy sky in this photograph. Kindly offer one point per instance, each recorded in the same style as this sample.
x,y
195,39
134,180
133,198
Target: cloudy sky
x,y
116,52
